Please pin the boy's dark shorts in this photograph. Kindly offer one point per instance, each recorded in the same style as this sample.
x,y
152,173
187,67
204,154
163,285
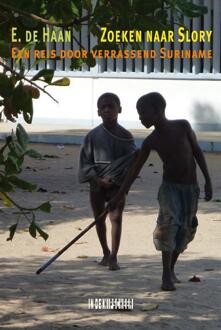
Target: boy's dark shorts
x,y
177,221
107,194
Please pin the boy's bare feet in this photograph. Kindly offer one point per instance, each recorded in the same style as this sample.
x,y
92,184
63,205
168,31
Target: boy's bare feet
x,y
167,286
113,265
174,278
167,283
105,260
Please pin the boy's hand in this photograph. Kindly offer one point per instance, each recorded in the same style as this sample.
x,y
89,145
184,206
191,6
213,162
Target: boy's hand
x,y
105,183
208,191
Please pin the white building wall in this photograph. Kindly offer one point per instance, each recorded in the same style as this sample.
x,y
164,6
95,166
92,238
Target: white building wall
x,y
198,101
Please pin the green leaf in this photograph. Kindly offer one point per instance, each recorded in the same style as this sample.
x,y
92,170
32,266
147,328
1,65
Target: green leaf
x,y
6,86
22,101
33,153
5,185
103,14
74,8
95,30
12,231
32,229
90,61
18,150
76,63
87,4
41,46
149,307
28,109
22,136
61,82
190,9
45,207
41,232
8,139
5,199
46,74
12,165
2,159
4,49
25,185
29,23
18,96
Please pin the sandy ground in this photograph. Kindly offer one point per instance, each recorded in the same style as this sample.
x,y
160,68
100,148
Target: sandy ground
x,y
58,298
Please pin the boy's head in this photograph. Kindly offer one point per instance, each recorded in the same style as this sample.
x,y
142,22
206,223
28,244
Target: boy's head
x,y
109,107
151,107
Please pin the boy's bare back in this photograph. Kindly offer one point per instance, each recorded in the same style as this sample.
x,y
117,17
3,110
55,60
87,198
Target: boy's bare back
x,y
175,144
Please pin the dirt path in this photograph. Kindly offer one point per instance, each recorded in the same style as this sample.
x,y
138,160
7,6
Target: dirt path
x,y
58,298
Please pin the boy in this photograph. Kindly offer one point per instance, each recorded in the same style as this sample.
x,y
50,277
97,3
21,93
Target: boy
x,y
105,157
176,144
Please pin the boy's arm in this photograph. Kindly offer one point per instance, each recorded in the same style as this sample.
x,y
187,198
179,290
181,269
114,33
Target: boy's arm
x,y
199,156
105,183
87,170
139,161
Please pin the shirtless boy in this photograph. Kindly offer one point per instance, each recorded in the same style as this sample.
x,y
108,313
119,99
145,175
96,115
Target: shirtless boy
x,y
176,144
106,155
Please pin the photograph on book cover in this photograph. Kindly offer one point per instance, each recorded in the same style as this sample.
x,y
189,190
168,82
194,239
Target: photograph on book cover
x,y
110,117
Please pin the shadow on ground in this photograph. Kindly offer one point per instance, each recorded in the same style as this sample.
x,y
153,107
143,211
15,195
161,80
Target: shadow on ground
x,y
57,299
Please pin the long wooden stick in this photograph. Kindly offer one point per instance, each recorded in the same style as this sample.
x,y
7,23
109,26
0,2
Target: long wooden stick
x,y
75,239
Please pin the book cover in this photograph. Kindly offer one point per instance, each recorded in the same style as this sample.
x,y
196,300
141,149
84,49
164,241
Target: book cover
x,y
56,59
